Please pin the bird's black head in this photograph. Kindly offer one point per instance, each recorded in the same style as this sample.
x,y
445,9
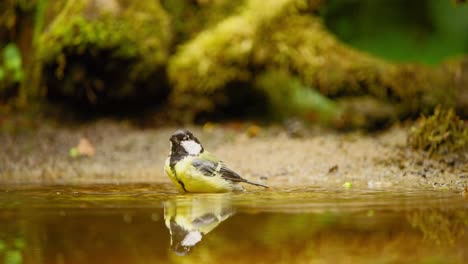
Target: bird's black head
x,y
183,240
184,143
182,135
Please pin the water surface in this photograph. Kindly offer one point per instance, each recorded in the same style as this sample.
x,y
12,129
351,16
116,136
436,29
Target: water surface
x,y
152,224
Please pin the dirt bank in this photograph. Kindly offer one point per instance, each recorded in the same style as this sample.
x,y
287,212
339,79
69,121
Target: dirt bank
x,y
126,154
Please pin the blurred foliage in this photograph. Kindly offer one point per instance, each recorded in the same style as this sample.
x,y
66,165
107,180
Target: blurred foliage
x,y
11,252
442,133
13,14
11,69
426,31
287,37
10,15
214,57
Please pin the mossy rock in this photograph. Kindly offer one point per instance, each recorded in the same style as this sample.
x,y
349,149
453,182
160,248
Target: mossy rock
x,y
212,63
288,37
441,134
189,18
100,51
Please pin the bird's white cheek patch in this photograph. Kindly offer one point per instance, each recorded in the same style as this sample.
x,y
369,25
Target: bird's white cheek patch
x,y
192,147
191,239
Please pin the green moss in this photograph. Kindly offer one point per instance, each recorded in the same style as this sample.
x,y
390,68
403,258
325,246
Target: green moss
x,y
440,134
134,35
221,54
138,30
303,46
289,97
14,41
286,37
11,70
188,18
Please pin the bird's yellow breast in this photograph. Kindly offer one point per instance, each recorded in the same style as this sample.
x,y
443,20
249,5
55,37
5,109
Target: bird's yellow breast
x,y
188,179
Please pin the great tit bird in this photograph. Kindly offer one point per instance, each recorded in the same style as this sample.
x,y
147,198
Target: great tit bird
x,y
193,169
190,218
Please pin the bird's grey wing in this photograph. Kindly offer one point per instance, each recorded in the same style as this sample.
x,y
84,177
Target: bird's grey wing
x,y
228,174
207,167
211,168
204,220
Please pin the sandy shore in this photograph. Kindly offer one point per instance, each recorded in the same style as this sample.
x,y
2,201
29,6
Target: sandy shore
x,y
126,154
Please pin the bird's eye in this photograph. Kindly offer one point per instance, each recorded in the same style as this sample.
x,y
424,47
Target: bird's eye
x,y
185,138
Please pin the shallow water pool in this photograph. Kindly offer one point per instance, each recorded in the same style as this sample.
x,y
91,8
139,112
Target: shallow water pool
x,y
152,224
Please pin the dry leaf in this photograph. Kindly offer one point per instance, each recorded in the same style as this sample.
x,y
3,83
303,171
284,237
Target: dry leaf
x,y
85,148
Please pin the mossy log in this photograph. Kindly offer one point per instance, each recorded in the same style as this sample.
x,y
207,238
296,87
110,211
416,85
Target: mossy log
x,y
288,37
101,51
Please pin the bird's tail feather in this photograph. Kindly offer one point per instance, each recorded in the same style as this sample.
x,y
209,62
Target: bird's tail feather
x,y
256,184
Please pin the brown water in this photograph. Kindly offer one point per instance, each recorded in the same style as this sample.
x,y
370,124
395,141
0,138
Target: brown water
x,y
150,224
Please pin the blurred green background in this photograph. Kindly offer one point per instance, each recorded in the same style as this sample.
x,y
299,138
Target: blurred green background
x,y
348,63
425,31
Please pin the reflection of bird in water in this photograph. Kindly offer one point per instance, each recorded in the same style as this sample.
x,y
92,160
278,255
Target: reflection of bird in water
x,y
190,218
